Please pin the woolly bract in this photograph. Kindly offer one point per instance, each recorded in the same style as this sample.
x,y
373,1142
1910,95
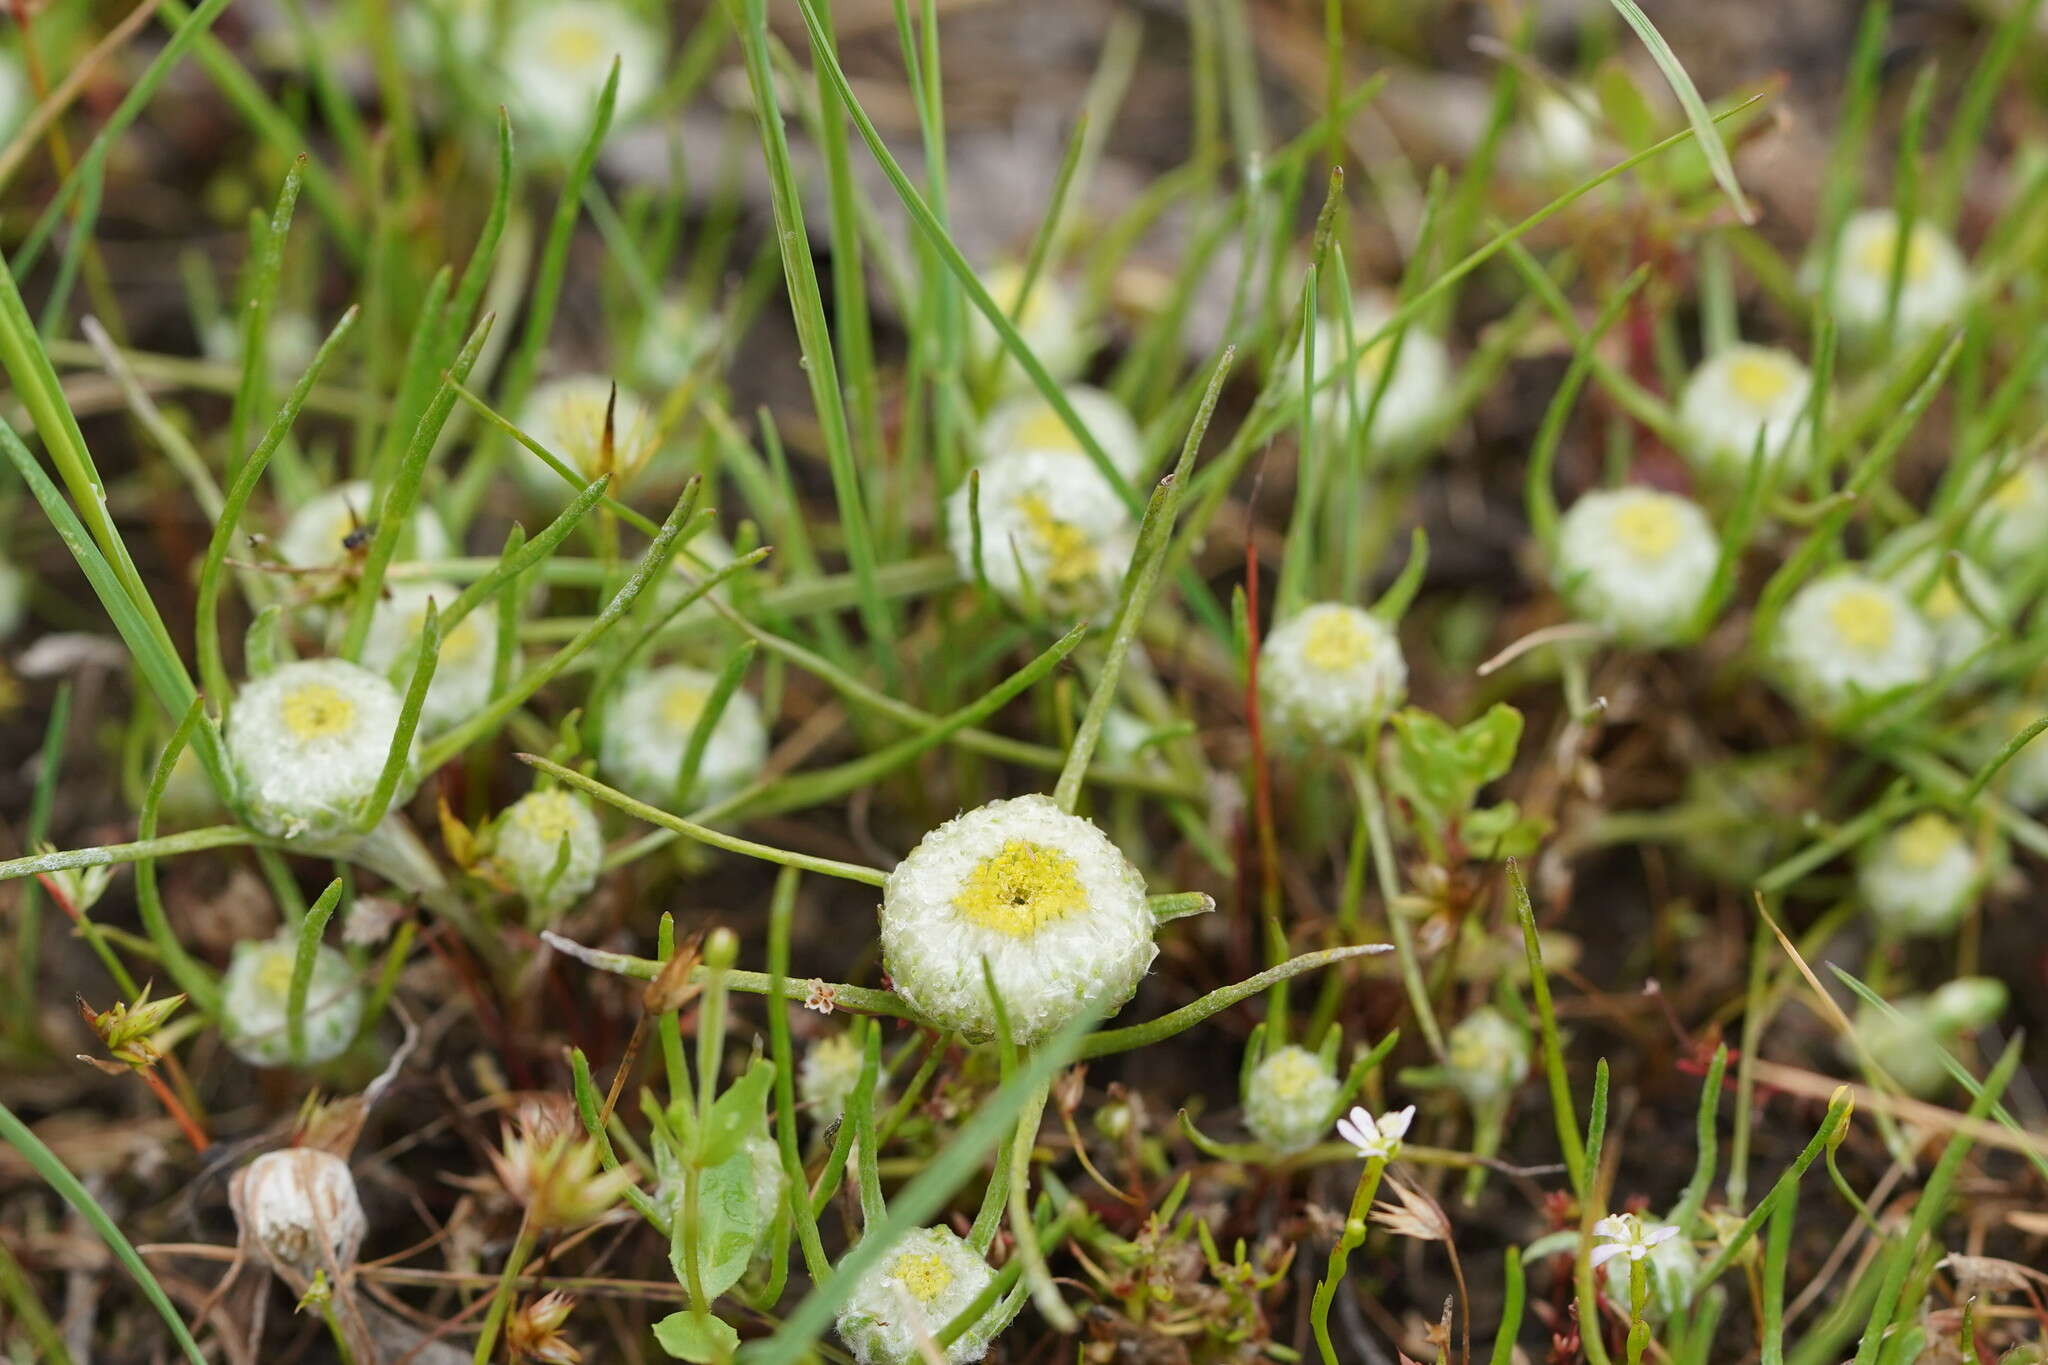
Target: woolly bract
x,y
1043,897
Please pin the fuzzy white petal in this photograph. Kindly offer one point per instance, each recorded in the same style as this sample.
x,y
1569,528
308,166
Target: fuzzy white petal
x,y
1636,562
647,731
304,779
1329,671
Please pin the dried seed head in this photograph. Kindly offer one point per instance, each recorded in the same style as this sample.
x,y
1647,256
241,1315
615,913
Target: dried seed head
x,y
300,1207
557,1178
534,1333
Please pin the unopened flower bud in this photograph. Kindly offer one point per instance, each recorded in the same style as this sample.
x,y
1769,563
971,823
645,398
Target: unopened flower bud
x,y
300,1206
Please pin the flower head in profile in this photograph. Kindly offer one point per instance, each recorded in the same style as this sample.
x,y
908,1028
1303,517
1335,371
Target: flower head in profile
x,y
1377,1139
1624,1234
549,847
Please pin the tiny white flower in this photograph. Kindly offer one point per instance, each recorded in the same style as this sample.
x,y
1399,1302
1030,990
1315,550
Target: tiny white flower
x,y
556,59
671,342
1557,138
1288,1099
647,731
1330,671
527,848
300,1206
1933,288
1055,909
308,742
1051,325
827,1076
923,1283
462,675
1672,1269
1636,562
1028,422
256,993
1739,396
1487,1057
320,532
567,417
1054,533
1930,584
1920,877
1849,636
1376,1138
1412,403
1628,1237
13,598
2012,522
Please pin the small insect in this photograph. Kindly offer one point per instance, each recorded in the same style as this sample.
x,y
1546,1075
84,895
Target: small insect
x,y
359,537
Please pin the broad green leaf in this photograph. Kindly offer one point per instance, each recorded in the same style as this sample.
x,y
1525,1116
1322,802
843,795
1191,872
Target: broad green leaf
x,y
727,1226
741,1110
703,1339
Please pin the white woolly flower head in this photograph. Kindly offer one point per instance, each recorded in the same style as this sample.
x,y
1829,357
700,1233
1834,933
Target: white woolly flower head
x,y
1413,394
1914,1041
1486,1057
308,742
528,845
1558,139
1849,636
1934,284
1330,671
13,598
1050,323
672,339
567,417
826,1078
556,58
1737,397
462,675
1028,422
1054,908
255,998
921,1284
647,732
1636,562
1054,533
322,531
2012,522
1919,877
1671,1262
300,1206
1287,1101
1930,584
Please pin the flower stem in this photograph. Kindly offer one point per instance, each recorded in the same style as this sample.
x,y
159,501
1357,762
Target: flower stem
x,y
1353,1236
501,1297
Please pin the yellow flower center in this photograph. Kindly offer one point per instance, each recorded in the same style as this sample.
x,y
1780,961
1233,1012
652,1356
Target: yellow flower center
x,y
547,816
1876,253
1043,430
1942,600
575,45
1336,640
924,1275
1863,618
317,711
460,646
1290,1074
1069,555
1925,840
274,972
1005,285
682,705
1021,888
1373,359
1759,378
1648,527
2014,492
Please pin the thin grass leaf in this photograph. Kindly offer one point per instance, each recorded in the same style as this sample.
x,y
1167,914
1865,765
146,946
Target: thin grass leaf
x,y
311,929
1689,99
